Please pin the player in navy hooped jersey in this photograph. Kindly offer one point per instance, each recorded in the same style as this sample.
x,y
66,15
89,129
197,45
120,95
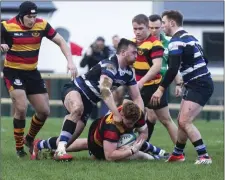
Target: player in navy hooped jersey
x,y
186,53
80,95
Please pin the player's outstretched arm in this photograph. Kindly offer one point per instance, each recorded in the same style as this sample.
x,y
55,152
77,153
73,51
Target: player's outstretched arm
x,y
136,96
58,39
105,86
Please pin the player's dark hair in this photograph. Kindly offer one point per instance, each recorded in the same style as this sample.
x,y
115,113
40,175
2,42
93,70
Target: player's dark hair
x,y
123,45
131,111
174,15
155,17
141,19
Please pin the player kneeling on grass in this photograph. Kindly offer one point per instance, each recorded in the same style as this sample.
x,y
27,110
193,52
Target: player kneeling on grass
x,y
105,135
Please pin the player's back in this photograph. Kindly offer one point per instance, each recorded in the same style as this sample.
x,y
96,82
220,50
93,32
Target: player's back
x,y
194,62
89,82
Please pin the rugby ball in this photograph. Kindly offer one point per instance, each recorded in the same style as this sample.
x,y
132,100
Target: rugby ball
x,y
126,140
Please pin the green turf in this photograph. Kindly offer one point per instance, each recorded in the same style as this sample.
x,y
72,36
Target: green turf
x,y
82,168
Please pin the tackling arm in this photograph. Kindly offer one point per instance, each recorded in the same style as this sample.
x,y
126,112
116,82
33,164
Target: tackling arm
x,y
105,86
136,96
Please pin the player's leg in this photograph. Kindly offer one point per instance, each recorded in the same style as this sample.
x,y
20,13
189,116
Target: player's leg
x,y
74,104
163,114
195,97
161,111
164,117
40,103
188,114
150,121
79,144
178,152
146,93
16,89
19,101
51,145
38,97
154,150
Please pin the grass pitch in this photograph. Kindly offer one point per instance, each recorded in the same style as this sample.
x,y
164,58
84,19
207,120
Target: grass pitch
x,y
83,168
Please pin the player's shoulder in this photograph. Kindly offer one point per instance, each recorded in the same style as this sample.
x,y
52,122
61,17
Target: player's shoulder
x,y
10,21
110,62
152,38
40,24
40,20
11,24
178,36
112,125
153,41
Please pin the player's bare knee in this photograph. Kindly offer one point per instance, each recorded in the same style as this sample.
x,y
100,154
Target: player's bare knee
x,y
76,111
183,123
43,113
20,111
185,119
150,115
166,120
152,118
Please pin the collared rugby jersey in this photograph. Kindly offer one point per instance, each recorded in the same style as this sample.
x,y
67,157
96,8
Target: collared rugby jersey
x,y
148,50
89,82
193,61
24,43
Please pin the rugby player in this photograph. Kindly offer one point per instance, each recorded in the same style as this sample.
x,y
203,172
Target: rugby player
x,y
155,23
147,71
21,39
104,135
80,95
186,53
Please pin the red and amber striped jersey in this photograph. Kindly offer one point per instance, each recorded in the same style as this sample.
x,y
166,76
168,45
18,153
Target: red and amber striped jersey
x,y
148,50
24,43
106,129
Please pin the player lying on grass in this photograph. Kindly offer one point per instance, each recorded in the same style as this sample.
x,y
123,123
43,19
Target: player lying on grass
x,y
104,134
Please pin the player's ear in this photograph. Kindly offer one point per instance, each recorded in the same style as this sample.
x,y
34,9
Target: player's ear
x,y
121,113
172,22
123,52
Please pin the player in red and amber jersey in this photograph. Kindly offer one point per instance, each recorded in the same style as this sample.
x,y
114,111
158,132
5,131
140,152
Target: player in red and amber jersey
x,y
148,50
21,40
147,69
104,135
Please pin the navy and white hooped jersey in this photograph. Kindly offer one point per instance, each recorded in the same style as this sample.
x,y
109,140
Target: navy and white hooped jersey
x,y
89,82
193,61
